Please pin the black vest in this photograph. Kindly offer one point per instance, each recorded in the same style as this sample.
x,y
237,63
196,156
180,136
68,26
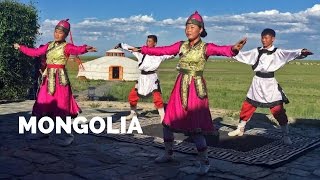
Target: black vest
x,y
262,51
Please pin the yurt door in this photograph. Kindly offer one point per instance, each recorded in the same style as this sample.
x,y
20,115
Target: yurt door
x,y
115,73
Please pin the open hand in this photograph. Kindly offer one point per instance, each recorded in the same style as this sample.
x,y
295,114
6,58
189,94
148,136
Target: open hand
x,y
134,49
117,46
16,46
239,45
91,49
306,52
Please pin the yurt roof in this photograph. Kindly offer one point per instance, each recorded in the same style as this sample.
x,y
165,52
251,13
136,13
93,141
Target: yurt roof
x,y
113,60
114,51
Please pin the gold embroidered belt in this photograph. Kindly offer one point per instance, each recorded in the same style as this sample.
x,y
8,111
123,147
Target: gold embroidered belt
x,y
190,72
58,66
51,71
186,78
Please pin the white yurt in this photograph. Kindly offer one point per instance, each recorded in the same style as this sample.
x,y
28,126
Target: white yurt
x,y
113,66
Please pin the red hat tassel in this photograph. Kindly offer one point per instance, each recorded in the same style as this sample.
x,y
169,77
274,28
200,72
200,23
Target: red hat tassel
x,y
77,58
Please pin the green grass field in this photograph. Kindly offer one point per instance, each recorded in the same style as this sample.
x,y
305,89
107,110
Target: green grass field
x,y
228,82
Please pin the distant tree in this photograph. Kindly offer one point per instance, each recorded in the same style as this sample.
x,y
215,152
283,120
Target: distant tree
x,y
18,23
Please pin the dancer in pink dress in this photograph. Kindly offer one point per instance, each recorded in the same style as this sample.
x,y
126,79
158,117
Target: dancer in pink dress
x,y
188,108
55,96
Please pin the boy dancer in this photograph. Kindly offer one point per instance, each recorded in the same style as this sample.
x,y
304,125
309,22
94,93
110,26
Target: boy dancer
x,y
265,91
148,82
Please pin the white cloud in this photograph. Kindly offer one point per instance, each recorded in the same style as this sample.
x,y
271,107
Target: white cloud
x,y
157,33
268,12
290,27
91,18
90,38
178,21
314,37
313,11
133,19
142,18
114,36
49,22
92,23
91,33
253,35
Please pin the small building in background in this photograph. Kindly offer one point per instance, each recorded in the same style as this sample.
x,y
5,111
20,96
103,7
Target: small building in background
x,y
113,66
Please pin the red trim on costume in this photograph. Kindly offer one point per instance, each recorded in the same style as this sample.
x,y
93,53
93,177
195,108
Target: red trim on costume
x,y
133,97
77,58
157,99
247,111
279,113
59,66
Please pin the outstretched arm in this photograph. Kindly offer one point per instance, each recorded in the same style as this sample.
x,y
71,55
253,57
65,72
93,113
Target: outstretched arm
x,y
247,57
71,49
160,51
213,49
124,46
305,53
33,52
165,57
289,55
128,47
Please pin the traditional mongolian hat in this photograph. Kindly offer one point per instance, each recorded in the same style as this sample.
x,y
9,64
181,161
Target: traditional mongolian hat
x,y
196,19
64,25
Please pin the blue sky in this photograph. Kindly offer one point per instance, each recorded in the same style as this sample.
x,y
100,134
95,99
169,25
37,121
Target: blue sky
x,y
104,23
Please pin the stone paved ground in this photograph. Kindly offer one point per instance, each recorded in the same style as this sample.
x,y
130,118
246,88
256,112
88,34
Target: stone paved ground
x,y
92,157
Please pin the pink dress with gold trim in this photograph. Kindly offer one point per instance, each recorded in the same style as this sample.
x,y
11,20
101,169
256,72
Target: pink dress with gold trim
x,y
55,99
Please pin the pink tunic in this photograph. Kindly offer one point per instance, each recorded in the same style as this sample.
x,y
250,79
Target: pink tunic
x,y
62,102
197,117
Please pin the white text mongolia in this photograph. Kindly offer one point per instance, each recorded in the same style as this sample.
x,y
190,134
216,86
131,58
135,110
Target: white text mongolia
x,y
46,125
